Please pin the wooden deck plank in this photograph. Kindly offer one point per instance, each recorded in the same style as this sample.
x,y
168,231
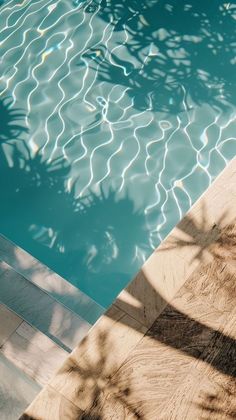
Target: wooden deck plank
x,y
98,355
50,405
182,365
191,243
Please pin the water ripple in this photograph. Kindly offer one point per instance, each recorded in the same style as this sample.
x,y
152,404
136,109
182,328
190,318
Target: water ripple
x,y
118,105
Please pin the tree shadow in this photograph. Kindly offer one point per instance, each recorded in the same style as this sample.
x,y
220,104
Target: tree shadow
x,y
108,388
219,405
94,377
217,240
178,54
42,215
48,220
11,121
192,337
104,388
111,245
11,129
96,374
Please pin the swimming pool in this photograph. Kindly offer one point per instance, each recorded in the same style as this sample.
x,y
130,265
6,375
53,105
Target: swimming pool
x,y
115,117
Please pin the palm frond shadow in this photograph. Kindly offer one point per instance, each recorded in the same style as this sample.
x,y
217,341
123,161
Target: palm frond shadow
x,y
11,121
220,404
33,177
104,387
96,380
178,54
44,217
218,240
33,180
12,128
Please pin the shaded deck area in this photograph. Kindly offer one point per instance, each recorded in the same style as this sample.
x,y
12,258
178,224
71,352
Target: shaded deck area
x,y
166,348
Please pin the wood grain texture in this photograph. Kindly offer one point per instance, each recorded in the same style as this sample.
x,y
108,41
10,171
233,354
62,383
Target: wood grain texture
x,y
187,360
100,354
191,243
50,405
183,366
209,390
154,286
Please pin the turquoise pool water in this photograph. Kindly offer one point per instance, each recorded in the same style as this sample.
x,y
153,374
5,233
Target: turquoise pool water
x,y
115,117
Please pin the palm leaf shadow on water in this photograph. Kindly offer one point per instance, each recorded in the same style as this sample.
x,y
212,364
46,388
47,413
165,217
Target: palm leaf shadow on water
x,y
35,204
11,121
177,54
91,240
11,127
31,179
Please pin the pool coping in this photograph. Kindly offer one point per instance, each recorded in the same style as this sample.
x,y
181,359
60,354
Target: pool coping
x,y
51,283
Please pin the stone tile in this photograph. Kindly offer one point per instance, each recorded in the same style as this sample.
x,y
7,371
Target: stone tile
x,y
16,257
50,282
50,405
17,391
40,310
9,322
69,295
96,359
33,353
3,266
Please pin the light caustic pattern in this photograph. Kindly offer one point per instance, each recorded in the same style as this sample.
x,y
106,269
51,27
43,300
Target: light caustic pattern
x,y
53,57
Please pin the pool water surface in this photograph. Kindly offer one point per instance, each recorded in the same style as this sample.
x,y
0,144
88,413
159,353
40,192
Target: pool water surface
x,y
115,117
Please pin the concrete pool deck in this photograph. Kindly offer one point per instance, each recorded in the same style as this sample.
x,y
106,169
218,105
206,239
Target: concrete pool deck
x,y
166,348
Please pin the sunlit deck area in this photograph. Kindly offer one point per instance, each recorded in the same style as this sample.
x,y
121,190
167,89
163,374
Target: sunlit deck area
x,y
166,348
